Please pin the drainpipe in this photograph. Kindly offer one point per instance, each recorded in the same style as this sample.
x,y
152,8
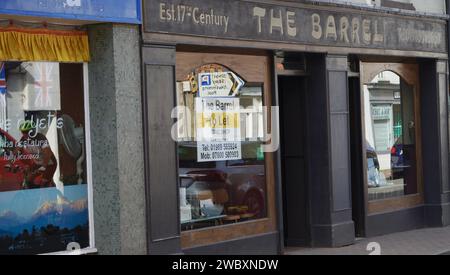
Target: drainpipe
x,y
447,7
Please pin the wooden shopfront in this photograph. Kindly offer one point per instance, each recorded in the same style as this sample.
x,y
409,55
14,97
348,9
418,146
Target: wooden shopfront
x,y
350,86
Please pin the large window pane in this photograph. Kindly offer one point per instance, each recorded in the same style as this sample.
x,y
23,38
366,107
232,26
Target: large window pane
x,y
228,186
43,177
390,137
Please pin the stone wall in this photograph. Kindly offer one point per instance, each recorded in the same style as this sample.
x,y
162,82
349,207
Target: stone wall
x,y
116,136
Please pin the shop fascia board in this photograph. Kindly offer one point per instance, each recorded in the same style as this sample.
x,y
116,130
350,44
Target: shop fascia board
x,y
64,21
174,39
39,20
357,7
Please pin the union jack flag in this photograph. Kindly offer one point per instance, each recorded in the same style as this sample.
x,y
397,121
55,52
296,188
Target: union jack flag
x,y
2,78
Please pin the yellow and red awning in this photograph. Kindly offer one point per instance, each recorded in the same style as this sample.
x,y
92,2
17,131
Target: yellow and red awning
x,y
28,44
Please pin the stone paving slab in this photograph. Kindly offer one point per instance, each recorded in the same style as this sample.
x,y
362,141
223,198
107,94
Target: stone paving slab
x,y
430,241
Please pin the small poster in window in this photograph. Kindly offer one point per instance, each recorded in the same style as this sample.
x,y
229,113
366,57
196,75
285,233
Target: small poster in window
x,y
219,84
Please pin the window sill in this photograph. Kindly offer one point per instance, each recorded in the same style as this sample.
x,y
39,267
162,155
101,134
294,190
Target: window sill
x,y
84,251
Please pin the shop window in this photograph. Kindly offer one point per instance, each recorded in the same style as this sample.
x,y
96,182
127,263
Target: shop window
x,y
221,163
390,129
44,205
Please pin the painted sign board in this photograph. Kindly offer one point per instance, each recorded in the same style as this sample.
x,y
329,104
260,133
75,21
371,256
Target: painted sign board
x,y
381,112
120,11
270,21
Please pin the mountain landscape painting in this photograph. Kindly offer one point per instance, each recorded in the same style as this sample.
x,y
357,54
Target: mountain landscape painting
x,y
43,220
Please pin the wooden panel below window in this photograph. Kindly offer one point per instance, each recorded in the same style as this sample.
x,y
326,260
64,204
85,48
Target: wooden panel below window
x,y
395,204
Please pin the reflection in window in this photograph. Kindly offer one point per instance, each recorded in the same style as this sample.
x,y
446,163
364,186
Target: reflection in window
x,y
43,172
215,193
390,137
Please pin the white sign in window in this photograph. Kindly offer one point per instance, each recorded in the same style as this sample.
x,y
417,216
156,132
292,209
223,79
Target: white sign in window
x,y
218,129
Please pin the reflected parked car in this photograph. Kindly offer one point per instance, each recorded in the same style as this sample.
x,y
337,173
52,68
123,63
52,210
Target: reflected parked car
x,y
237,185
397,161
401,158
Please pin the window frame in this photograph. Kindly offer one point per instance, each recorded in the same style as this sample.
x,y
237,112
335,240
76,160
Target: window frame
x,y
87,125
257,65
409,72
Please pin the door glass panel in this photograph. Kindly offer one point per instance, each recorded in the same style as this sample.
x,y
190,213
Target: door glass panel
x,y
390,137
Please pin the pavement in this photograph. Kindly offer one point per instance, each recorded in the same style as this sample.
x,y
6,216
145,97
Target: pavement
x,y
429,241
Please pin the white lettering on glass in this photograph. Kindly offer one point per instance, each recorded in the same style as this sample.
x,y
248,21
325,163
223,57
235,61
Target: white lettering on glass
x,y
72,3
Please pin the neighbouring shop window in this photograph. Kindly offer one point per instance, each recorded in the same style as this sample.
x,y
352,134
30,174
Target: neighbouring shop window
x,y
390,137
43,173
221,163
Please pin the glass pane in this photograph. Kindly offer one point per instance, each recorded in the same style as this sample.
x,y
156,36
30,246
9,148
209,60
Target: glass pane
x,y
43,180
390,137
221,163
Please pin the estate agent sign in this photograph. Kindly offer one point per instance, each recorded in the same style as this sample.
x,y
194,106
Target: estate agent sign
x,y
218,128
293,23
219,84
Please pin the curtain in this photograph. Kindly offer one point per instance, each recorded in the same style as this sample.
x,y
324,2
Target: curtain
x,y
22,44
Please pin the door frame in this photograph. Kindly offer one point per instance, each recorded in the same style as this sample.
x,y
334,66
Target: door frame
x,y
359,198
409,72
280,71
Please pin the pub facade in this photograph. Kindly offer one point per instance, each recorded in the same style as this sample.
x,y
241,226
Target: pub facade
x,y
297,123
